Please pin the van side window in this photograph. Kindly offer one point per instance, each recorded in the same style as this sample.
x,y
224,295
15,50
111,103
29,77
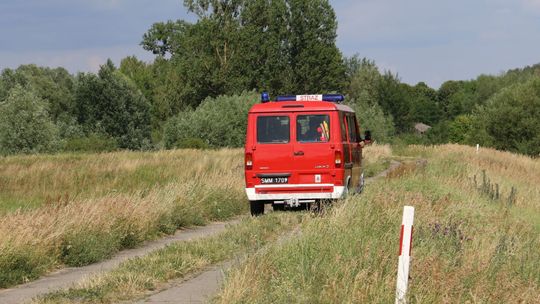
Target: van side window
x,y
273,129
352,128
312,128
343,128
356,128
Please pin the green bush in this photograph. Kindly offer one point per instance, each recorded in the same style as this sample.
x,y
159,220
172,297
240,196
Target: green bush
x,y
110,103
460,129
217,122
24,263
92,143
25,125
510,119
371,117
193,143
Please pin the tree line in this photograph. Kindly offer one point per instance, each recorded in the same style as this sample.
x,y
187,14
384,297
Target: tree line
x,y
206,75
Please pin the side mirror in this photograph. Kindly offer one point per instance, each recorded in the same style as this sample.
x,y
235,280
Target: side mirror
x,y
367,136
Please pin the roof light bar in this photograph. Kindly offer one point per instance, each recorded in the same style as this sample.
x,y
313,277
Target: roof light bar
x,y
326,97
333,97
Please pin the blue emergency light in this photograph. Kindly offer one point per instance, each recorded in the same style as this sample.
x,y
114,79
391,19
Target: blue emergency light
x,y
325,97
265,97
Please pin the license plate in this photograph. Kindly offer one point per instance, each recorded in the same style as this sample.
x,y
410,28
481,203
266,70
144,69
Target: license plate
x,y
274,180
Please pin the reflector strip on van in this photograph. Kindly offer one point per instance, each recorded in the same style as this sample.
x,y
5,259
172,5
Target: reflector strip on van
x,y
335,194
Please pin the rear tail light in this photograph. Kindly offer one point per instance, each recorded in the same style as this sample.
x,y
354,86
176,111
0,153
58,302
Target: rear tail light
x,y
337,159
249,161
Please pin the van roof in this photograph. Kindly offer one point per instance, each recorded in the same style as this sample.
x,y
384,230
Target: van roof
x,y
298,106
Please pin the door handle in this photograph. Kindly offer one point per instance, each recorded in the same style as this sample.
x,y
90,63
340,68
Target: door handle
x,y
299,153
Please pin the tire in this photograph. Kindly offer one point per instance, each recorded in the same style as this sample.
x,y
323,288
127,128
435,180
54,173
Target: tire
x,y
257,208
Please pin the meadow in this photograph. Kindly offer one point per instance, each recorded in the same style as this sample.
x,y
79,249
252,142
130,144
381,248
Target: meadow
x,y
469,245
76,209
476,235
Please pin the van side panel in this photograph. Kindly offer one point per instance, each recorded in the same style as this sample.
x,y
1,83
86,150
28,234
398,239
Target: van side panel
x,y
347,151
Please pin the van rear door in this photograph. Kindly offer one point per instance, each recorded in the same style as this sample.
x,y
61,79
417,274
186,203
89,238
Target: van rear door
x,y
272,148
314,147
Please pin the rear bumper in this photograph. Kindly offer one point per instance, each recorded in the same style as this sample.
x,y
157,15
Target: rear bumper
x,y
291,192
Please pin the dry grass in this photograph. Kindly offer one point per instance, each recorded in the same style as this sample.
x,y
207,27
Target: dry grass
x,y
113,201
138,277
376,159
30,181
467,247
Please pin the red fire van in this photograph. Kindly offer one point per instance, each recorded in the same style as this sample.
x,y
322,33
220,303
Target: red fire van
x,y
301,149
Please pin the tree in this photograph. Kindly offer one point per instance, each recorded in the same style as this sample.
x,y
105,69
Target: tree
x,y
460,129
162,38
371,117
151,79
423,104
110,103
364,80
54,86
315,59
362,96
510,119
25,125
282,46
392,97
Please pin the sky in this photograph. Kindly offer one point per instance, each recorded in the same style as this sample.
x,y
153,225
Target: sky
x,y
421,40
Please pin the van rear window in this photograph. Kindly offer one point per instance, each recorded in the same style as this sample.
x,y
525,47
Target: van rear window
x,y
273,129
312,128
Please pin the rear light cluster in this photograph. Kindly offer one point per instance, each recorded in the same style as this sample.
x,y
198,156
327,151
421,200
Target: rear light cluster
x,y
337,158
249,161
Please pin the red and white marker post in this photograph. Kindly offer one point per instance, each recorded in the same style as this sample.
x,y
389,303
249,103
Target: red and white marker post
x,y
405,246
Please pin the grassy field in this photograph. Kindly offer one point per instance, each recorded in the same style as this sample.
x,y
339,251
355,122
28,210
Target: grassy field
x,y
470,245
29,182
476,240
78,209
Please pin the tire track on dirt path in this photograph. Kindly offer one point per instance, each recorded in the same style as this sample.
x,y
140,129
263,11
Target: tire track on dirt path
x,y
66,277
393,166
201,287
193,290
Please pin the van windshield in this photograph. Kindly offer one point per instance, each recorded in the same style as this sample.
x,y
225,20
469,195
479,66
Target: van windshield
x,y
273,129
312,128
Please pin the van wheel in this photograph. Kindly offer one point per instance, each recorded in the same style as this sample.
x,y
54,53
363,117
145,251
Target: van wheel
x,y
257,208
